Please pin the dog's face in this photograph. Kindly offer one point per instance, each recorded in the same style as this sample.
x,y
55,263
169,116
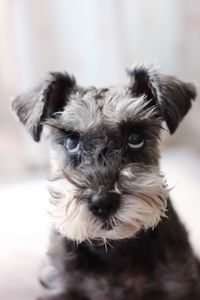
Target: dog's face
x,y
106,183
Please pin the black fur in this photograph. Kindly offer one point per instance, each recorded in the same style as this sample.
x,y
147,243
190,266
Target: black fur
x,y
174,97
157,264
38,104
152,264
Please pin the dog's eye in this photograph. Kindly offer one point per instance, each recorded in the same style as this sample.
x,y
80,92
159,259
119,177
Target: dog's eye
x,y
135,140
71,143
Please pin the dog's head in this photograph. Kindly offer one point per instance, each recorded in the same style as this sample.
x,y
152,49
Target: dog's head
x,y
106,182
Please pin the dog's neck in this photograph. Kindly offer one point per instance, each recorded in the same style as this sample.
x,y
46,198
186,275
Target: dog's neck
x,y
145,249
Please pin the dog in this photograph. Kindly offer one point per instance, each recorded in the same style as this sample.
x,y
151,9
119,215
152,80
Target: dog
x,y
115,234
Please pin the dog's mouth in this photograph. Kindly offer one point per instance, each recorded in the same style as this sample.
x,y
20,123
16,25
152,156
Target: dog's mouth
x,y
108,224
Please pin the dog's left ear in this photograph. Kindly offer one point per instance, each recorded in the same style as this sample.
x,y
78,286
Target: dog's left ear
x,y
42,101
173,97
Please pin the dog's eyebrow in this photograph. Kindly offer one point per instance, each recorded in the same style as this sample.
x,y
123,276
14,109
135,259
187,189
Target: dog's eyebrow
x,y
57,124
119,109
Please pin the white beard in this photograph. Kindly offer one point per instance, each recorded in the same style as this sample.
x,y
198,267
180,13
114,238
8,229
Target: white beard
x,y
141,207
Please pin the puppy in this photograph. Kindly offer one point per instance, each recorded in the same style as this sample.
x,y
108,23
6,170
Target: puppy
x,y
115,234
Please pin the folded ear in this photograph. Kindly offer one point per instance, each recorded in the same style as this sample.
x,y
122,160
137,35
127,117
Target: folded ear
x,y
42,101
173,97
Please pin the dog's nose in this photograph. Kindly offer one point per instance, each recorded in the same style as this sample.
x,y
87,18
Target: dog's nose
x,y
104,205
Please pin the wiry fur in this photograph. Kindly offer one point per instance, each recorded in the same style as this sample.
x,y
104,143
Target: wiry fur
x,y
141,250
70,212
140,207
168,92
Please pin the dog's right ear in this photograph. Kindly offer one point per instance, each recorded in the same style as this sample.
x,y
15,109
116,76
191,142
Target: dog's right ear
x,y
42,101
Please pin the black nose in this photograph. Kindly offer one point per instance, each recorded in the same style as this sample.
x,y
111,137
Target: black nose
x,y
104,205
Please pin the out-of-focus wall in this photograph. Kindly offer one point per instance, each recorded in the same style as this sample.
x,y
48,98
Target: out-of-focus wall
x,y
95,40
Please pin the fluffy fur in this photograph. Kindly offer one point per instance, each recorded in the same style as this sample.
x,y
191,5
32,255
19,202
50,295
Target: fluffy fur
x,y
141,250
140,207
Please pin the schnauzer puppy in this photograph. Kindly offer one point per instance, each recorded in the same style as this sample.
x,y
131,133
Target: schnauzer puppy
x,y
115,234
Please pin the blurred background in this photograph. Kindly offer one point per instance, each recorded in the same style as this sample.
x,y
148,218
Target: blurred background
x,y
95,40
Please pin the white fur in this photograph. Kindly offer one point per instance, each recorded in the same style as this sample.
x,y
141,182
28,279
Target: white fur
x,y
141,208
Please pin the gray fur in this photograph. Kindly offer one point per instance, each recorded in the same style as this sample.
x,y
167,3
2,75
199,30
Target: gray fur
x,y
104,163
40,102
174,97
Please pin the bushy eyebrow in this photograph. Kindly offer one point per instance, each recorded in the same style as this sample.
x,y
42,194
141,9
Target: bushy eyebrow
x,y
84,115
59,125
118,109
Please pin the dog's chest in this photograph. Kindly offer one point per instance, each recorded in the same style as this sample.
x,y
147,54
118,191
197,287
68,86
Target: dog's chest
x,y
111,286
107,278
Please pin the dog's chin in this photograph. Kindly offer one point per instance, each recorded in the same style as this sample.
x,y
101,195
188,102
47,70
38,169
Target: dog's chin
x,y
103,234
123,231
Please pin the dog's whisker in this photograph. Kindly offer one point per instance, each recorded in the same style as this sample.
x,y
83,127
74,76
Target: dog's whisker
x,y
115,234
